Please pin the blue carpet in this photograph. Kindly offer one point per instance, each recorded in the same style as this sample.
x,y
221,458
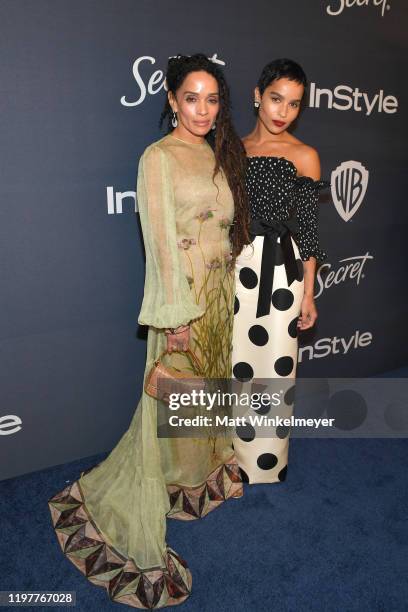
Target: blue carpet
x,y
333,537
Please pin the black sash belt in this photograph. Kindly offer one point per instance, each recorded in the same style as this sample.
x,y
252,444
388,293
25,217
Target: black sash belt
x,y
271,230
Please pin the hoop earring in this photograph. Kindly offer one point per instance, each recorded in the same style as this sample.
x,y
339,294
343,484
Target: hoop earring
x,y
174,121
256,104
214,125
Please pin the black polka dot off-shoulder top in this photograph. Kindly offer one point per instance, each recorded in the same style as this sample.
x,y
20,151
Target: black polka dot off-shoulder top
x,y
276,193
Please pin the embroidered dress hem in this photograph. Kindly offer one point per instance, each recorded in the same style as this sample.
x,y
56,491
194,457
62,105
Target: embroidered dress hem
x,y
190,503
86,547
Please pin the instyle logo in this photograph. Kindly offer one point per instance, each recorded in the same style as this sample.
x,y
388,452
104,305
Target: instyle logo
x,y
10,424
351,268
336,7
344,98
114,200
335,346
155,82
348,187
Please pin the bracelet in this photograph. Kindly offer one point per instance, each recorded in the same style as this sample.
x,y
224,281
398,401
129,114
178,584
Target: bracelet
x,y
176,330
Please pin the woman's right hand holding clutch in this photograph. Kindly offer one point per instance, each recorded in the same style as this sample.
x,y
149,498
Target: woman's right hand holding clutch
x,y
178,339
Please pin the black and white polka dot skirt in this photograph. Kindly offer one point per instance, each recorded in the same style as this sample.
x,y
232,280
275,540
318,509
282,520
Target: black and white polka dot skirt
x,y
265,348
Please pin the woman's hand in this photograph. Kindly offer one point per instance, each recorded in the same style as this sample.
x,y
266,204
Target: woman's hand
x,y
308,313
178,339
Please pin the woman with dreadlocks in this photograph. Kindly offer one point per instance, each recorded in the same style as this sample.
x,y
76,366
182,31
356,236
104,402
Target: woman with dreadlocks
x,y
111,523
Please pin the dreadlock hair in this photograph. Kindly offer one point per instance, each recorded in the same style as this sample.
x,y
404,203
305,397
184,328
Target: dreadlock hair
x,y
228,149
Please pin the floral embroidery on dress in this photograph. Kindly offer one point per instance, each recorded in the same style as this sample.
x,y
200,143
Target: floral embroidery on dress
x,y
229,262
185,243
211,281
214,264
204,215
225,223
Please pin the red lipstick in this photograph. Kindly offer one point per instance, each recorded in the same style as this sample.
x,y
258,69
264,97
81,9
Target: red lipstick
x,y
278,123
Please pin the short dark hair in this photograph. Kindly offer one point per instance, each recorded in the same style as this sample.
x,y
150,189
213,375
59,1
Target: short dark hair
x,y
282,68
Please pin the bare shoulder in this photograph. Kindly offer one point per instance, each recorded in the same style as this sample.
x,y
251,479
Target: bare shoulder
x,y
307,161
248,143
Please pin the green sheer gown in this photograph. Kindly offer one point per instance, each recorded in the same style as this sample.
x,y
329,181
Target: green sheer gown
x,y
111,523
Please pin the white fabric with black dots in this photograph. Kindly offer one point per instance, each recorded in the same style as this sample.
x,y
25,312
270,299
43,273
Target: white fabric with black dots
x,y
266,347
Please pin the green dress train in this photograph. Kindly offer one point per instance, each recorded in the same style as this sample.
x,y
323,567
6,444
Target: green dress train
x,y
111,523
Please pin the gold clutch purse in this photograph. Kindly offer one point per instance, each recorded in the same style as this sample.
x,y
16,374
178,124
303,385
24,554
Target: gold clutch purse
x,y
171,379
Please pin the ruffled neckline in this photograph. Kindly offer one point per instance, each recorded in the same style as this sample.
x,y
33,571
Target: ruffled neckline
x,y
299,179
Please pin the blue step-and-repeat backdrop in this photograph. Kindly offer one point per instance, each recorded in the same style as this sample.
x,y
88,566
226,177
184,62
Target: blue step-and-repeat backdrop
x,y
82,88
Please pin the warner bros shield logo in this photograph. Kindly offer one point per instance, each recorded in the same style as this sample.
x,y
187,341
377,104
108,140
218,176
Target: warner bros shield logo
x,y
348,186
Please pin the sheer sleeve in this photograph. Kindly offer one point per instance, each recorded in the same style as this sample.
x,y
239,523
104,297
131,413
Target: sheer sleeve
x,y
307,214
167,300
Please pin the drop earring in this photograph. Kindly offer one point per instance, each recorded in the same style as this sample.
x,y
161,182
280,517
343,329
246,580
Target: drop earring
x,y
214,125
174,121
